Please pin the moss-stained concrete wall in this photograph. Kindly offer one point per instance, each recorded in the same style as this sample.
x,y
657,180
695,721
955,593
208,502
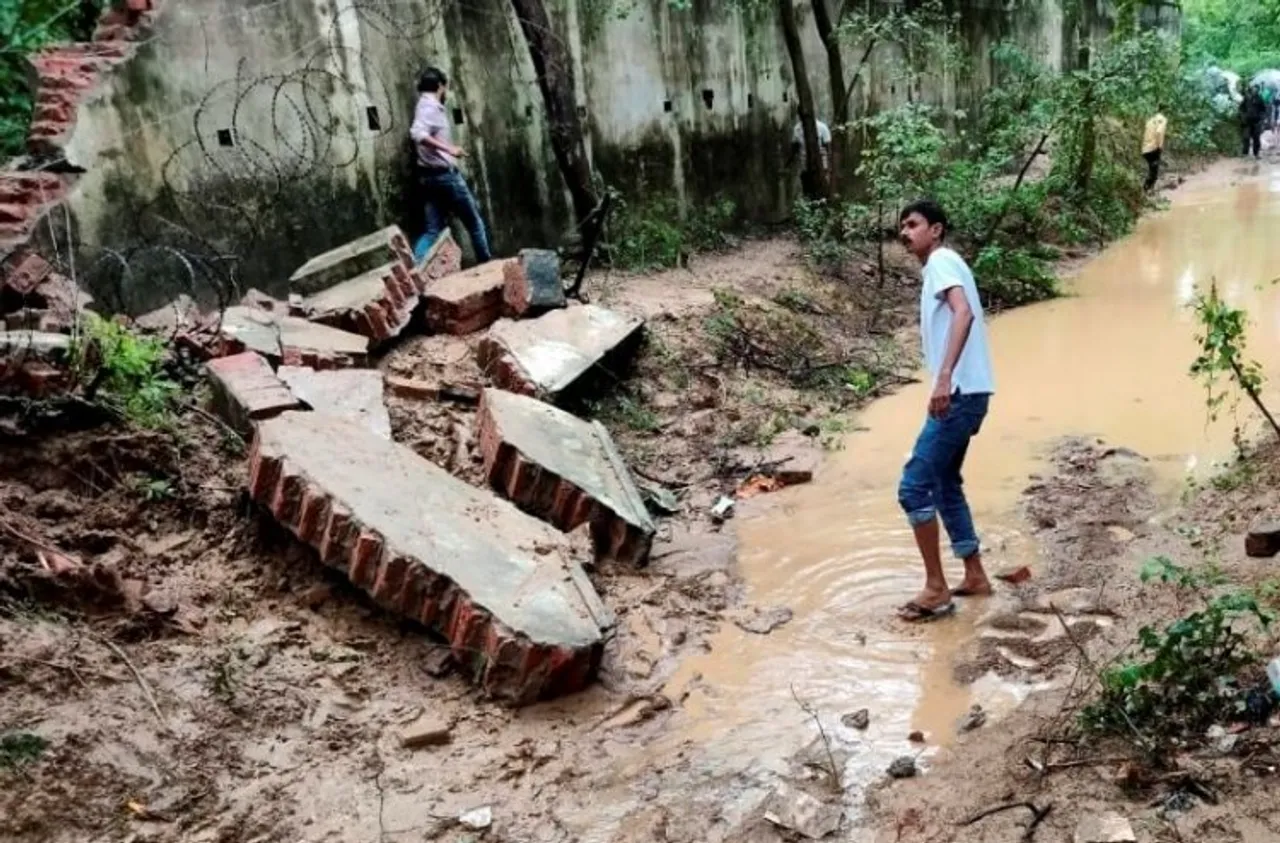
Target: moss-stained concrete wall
x,y
249,135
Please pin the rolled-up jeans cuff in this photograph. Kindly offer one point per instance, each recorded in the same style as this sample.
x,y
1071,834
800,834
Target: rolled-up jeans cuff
x,y
916,517
963,550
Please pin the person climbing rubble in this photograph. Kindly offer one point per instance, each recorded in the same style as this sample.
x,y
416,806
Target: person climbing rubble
x,y
953,334
444,191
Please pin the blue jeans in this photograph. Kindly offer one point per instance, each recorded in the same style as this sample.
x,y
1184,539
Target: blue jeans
x,y
931,484
446,193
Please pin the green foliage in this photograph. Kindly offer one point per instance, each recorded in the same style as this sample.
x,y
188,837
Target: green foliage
x,y
129,370
626,411
1222,339
1185,677
25,27
154,489
656,235
19,749
1243,36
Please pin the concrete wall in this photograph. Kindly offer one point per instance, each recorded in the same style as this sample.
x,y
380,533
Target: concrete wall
x,y
252,134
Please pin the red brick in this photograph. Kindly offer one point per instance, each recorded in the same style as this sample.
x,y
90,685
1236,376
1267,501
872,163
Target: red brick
x,y
23,271
246,390
465,302
445,258
505,663
377,304
1014,576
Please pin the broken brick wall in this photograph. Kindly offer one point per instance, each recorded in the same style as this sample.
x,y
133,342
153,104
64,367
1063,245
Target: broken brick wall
x,y
234,140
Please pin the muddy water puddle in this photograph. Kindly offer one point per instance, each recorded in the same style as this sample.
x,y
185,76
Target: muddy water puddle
x,y
1109,360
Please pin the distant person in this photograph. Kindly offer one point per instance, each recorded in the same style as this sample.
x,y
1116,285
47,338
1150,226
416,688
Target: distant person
x,y
1252,115
953,335
1153,146
824,149
444,191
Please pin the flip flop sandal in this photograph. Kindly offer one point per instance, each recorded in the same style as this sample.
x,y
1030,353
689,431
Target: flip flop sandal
x,y
913,612
968,592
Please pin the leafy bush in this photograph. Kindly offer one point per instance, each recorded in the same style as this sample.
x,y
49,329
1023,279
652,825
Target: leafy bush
x,y
25,27
1185,677
655,236
1010,276
126,371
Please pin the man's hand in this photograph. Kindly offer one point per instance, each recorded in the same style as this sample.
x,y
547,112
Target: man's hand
x,y
940,400
458,152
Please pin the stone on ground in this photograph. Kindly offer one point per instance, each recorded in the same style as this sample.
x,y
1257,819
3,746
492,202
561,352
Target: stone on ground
x,y
564,470
178,314
503,588
428,730
531,283
367,253
1104,828
444,258
295,341
791,458
245,390
1263,540
351,394
377,304
791,808
465,302
553,355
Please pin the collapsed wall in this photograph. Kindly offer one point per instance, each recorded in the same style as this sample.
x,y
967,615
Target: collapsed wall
x,y
214,145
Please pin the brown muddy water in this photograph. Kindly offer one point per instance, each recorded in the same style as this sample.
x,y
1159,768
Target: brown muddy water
x,y
1108,360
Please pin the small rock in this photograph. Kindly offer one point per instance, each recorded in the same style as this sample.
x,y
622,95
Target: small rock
x,y
426,731
1104,828
723,509
316,595
1013,576
973,720
763,621
791,808
1223,741
659,501
859,719
439,662
1263,541
477,819
916,737
903,767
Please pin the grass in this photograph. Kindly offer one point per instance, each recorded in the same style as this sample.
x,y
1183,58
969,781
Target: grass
x,y
21,749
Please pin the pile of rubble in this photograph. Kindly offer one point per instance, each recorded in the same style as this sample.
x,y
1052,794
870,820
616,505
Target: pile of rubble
x,y
494,571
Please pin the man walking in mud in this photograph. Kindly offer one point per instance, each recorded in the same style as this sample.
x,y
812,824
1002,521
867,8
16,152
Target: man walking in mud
x,y
444,189
1252,116
953,336
1153,146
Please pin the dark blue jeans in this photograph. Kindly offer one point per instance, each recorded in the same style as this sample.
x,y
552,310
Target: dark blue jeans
x,y
446,194
931,483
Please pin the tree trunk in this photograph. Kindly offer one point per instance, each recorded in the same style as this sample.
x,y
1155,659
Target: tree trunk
x,y
835,62
555,79
818,187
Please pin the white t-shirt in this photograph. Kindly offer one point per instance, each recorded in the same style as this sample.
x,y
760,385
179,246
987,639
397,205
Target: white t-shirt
x,y
944,270
824,134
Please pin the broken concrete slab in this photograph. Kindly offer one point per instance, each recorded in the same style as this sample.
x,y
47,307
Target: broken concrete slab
x,y
503,588
552,356
295,341
466,302
35,362
444,258
178,314
245,390
564,470
351,394
35,344
377,304
388,245
531,283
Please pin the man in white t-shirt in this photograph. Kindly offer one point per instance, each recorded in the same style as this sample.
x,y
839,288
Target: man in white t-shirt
x,y
824,150
954,339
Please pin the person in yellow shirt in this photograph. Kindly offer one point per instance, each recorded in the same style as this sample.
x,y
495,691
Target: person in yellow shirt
x,y
1153,146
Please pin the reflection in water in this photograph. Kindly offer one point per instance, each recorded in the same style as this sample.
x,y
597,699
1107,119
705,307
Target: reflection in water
x,y
1109,361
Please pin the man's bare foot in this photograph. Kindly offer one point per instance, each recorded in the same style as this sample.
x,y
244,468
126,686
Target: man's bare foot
x,y
932,598
976,587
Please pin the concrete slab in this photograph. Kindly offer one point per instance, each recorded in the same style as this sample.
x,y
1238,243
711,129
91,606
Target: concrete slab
x,y
389,245
564,470
36,344
35,362
466,302
532,283
444,258
245,390
351,394
295,341
377,304
503,588
548,356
